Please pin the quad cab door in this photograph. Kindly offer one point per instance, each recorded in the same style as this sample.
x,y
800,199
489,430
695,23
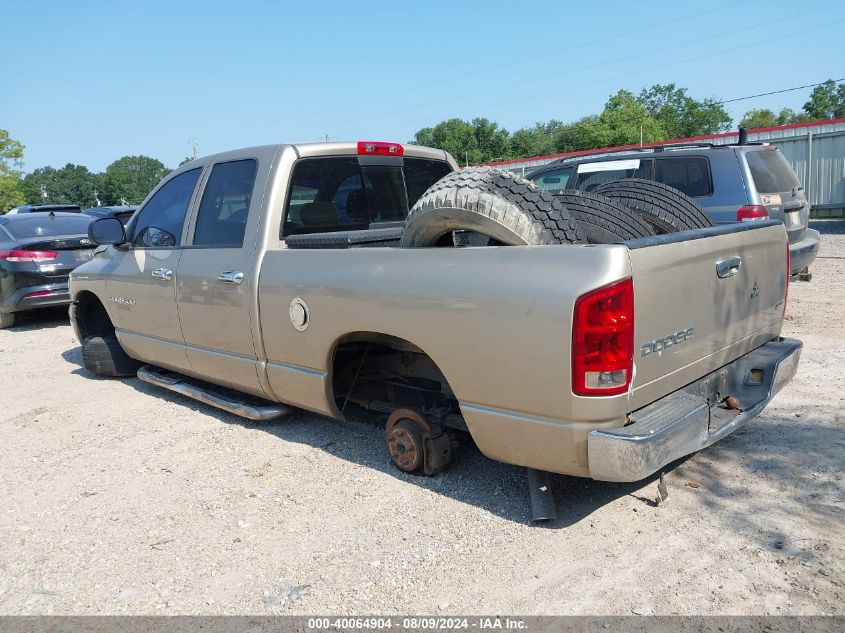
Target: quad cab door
x,y
140,285
217,275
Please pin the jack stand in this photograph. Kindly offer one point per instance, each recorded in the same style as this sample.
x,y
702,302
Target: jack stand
x,y
540,491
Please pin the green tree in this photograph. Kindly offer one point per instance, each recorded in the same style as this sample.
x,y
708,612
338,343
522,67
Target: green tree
x,y
681,116
624,121
11,158
536,140
72,184
129,179
476,141
764,117
826,101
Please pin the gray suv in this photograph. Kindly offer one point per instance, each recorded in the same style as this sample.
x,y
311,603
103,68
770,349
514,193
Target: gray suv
x,y
732,183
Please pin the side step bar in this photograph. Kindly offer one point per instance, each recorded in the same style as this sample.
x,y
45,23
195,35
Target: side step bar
x,y
236,403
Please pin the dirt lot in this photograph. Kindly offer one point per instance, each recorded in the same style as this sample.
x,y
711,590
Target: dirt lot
x,y
118,498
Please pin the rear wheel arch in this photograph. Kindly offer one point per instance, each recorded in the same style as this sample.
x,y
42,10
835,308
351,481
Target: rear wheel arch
x,y
354,352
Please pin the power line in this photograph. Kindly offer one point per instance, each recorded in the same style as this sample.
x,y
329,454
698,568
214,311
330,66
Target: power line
x,y
547,76
380,96
708,55
777,92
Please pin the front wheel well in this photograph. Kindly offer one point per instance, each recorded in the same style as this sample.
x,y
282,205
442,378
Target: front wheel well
x,y
92,319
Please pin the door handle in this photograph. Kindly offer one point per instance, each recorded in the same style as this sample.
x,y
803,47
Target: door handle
x,y
728,267
231,277
165,274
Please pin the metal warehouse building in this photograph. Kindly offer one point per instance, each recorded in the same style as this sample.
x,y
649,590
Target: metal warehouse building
x,y
816,151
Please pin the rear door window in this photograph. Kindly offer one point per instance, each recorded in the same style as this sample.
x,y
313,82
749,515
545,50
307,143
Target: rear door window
x,y
556,180
222,216
688,174
339,193
771,172
591,175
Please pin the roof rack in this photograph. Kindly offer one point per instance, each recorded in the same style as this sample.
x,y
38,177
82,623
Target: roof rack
x,y
655,149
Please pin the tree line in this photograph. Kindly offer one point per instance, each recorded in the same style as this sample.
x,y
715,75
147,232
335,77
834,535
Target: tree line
x,y
655,114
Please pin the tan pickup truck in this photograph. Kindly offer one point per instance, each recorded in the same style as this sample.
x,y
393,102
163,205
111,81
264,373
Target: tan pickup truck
x,y
324,276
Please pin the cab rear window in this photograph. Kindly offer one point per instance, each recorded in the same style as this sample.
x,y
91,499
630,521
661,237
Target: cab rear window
x,y
340,193
771,172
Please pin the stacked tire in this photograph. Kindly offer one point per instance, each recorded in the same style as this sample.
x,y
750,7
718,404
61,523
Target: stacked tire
x,y
483,206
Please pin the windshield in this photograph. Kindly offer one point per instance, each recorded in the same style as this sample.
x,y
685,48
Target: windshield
x,y
47,225
771,172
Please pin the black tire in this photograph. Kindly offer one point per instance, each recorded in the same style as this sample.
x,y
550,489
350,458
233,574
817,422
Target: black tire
x,y
105,357
601,220
665,208
506,208
7,320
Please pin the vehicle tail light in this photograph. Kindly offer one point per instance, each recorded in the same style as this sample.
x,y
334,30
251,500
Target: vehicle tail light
x,y
788,275
749,212
40,293
28,256
603,340
378,148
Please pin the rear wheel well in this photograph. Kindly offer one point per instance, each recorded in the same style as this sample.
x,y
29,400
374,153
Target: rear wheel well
x,y
383,373
92,317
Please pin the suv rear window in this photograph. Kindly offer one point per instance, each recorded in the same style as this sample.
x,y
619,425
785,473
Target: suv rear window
x,y
47,226
591,175
556,180
771,172
340,194
688,174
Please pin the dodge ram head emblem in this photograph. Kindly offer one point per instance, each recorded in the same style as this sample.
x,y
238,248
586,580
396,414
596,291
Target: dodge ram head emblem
x,y
662,343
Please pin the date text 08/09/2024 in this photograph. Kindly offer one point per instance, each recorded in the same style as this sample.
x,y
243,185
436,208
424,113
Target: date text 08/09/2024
x,y
416,623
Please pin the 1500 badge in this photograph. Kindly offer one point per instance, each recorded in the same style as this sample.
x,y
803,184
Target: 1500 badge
x,y
659,344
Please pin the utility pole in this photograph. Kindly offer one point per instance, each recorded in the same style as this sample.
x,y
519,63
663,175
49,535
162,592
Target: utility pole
x,y
44,194
97,202
193,148
641,134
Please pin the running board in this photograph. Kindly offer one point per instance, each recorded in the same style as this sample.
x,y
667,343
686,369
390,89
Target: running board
x,y
232,401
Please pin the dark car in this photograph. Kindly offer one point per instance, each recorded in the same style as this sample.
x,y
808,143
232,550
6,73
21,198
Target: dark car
x,y
732,183
121,213
46,208
37,253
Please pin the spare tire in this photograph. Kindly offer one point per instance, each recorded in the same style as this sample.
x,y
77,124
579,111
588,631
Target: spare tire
x,y
498,204
665,208
601,220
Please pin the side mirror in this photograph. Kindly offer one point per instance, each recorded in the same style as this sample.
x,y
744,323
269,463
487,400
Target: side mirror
x,y
106,231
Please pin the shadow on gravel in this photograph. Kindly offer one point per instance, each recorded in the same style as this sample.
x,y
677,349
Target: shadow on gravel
x,y
828,227
786,451
39,319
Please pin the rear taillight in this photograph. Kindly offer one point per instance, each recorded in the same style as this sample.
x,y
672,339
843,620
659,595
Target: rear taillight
x,y
603,340
28,256
378,148
40,293
751,212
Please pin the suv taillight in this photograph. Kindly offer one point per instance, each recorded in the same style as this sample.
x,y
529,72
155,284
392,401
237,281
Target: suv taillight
x,y
749,212
603,340
28,256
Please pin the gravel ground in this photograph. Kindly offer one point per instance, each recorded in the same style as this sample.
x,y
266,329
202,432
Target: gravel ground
x,y
118,498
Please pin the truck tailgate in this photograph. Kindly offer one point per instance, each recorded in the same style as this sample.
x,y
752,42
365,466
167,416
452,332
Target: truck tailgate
x,y
701,300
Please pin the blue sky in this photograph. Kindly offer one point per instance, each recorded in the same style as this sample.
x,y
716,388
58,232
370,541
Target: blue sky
x,y
88,82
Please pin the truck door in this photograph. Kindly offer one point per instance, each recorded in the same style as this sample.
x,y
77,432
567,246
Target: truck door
x,y
216,281
141,286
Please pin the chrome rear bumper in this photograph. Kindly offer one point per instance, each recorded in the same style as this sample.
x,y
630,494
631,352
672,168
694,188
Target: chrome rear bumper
x,y
692,418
